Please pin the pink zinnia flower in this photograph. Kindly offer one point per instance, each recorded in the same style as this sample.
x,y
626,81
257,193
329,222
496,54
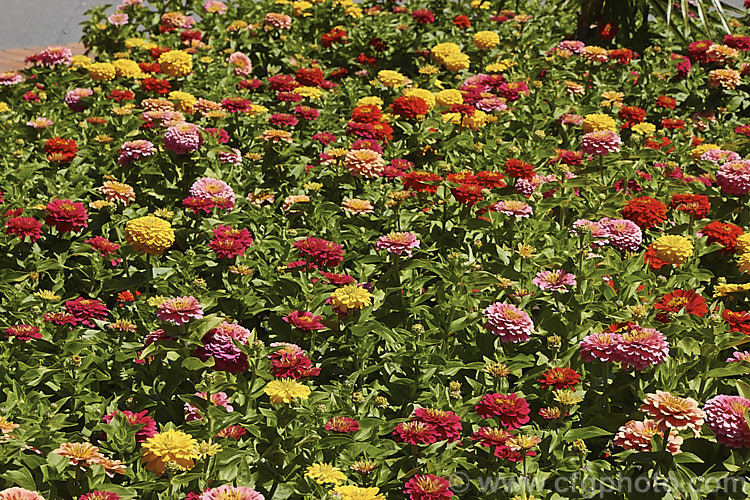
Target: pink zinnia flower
x,y
734,177
103,245
100,495
637,436
513,208
428,487
599,346
415,432
719,156
11,78
23,332
215,7
674,412
446,423
66,216
135,150
622,234
118,19
19,494
73,99
23,227
86,310
600,143
398,243
141,418
179,310
215,190
364,163
557,280
233,492
641,347
183,138
511,410
219,344
54,55
241,64
739,356
725,416
507,321
305,321
597,229
219,399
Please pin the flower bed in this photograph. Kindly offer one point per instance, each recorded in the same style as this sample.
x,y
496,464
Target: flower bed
x,y
362,251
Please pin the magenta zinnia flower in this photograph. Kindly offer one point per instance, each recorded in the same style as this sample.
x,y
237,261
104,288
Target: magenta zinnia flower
x,y
507,321
66,216
342,425
428,487
415,432
556,280
725,416
23,227
305,321
600,143
447,424
398,243
600,346
84,311
141,418
511,410
179,310
23,332
739,356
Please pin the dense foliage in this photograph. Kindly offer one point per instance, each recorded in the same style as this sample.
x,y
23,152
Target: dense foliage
x,y
374,250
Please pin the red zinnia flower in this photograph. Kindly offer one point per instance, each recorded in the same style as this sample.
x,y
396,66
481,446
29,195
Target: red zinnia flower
x,y
631,115
462,21
367,113
674,302
447,424
342,424
739,321
66,216
141,418
292,362
59,149
428,487
559,378
468,194
325,253
666,102
423,16
409,107
646,212
417,179
24,226
103,245
724,233
697,205
519,170
415,432
490,180
672,123
512,411
310,77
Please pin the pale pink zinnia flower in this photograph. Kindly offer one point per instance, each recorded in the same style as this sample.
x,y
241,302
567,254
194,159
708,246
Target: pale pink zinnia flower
x,y
364,163
739,356
557,280
215,7
599,346
725,416
622,234
598,232
734,177
11,77
135,150
600,143
512,208
179,310
73,99
719,156
280,22
233,492
398,243
241,65
52,56
674,412
118,19
637,436
508,322
215,190
183,138
16,493
40,123
641,347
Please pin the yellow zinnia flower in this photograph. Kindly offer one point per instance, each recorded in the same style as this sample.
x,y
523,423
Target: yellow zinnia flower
x,y
169,446
324,473
449,97
391,78
285,390
149,234
176,63
351,297
673,249
484,40
356,493
102,71
597,122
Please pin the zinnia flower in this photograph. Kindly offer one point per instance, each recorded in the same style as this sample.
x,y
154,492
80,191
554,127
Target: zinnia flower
x,y
415,432
324,473
183,138
66,216
219,344
169,446
646,212
428,487
16,493
148,424
84,311
350,297
507,321
674,412
351,492
323,252
23,227
637,436
305,321
398,243
556,281
725,416
364,163
179,310
286,390
342,424
228,492
672,249
511,410
559,378
149,234
678,300
23,332
734,177
600,143
641,347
